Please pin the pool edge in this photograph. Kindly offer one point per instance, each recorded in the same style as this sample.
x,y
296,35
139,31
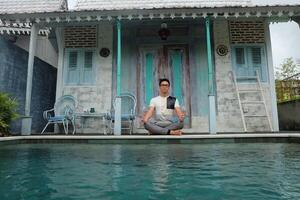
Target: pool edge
x,y
157,139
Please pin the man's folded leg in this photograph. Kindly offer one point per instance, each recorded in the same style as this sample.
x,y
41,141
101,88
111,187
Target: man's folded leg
x,y
175,126
155,129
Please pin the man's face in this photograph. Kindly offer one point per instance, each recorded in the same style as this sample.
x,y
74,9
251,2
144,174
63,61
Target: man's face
x,y
164,87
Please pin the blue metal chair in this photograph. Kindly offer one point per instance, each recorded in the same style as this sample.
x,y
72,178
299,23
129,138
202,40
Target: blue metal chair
x,y
128,112
62,113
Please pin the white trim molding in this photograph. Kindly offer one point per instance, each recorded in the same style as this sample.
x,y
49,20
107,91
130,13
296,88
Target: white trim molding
x,y
273,13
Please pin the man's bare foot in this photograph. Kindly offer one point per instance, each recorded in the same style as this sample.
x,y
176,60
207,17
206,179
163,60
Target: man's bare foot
x,y
175,132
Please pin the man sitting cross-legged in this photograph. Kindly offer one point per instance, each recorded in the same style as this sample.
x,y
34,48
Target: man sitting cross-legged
x,y
166,109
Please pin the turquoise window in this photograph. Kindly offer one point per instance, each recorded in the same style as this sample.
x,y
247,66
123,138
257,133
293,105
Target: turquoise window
x,y
79,65
249,59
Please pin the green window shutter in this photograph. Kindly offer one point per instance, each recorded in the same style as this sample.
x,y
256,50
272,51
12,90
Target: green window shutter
x,y
256,62
254,57
240,61
249,59
73,68
73,59
88,60
88,67
264,67
240,56
79,67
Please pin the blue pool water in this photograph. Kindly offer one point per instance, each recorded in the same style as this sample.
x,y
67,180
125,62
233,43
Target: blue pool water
x,y
154,171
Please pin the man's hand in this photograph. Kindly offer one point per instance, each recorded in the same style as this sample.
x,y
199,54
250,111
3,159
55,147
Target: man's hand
x,y
142,120
148,115
180,114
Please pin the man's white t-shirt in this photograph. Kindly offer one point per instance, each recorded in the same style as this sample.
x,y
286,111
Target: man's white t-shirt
x,y
161,111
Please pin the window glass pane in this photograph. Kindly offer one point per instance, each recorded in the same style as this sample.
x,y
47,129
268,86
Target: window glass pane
x,y
256,55
88,59
240,56
73,59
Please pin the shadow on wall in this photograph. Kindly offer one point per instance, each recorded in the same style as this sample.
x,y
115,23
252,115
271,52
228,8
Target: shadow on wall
x,y
289,115
13,76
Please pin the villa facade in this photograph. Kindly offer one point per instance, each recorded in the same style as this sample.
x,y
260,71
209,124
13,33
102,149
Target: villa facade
x,y
109,47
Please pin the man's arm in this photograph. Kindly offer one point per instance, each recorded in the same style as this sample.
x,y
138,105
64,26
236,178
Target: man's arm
x,y
179,113
149,114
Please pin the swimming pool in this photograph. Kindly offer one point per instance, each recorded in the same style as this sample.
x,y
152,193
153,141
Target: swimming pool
x,y
150,171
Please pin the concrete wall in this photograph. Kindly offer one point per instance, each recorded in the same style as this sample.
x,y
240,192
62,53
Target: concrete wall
x,y
228,115
228,112
44,49
13,75
289,115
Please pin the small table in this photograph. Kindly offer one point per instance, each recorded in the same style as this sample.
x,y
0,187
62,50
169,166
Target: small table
x,y
85,115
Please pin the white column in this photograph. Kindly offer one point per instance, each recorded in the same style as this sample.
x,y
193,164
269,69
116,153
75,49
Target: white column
x,y
212,115
271,78
60,44
117,125
27,120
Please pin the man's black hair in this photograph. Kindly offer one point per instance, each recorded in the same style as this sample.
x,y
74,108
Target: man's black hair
x,y
164,79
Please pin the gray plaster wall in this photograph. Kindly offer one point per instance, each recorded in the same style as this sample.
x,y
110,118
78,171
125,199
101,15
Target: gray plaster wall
x,y
13,75
98,96
229,117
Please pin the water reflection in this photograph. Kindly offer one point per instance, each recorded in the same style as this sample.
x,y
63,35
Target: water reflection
x,y
160,172
86,171
117,168
24,172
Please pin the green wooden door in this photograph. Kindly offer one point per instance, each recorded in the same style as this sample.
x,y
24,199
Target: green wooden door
x,y
164,62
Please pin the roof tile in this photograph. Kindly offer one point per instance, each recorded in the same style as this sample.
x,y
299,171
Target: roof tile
x,y
150,4
31,6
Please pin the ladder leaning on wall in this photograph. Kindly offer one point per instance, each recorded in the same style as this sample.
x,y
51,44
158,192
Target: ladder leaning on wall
x,y
257,90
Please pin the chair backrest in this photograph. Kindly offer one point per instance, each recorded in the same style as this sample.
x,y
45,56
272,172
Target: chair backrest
x,y
128,104
65,105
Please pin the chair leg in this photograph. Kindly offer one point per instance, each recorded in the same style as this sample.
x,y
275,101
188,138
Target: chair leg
x,y
45,127
111,127
105,126
65,129
74,128
131,127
